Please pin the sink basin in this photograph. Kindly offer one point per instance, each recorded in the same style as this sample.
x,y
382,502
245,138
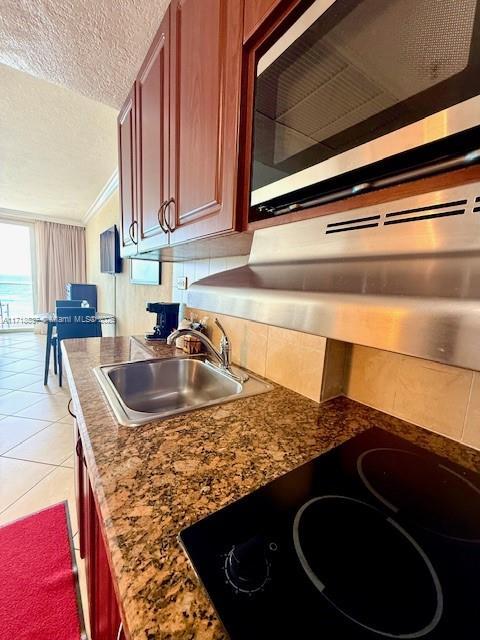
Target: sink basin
x,y
147,390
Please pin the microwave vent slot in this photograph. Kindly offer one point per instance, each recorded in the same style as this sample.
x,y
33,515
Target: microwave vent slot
x,y
358,223
429,212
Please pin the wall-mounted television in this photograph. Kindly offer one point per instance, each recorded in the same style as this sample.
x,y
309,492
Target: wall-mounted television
x,y
110,260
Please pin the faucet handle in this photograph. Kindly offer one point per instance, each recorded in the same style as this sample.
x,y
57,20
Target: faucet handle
x,y
219,325
224,345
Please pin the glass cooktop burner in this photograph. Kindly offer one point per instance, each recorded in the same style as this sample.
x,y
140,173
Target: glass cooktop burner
x,y
374,539
368,567
426,492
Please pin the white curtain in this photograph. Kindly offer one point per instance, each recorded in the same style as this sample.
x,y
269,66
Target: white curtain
x,y
60,251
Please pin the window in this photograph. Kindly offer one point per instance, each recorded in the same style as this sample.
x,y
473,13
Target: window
x,y
17,291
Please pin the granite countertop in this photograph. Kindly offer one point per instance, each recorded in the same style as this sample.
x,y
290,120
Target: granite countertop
x,y
152,481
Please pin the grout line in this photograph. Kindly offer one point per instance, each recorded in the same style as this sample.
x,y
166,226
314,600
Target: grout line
x,y
28,490
3,454
266,352
37,397
467,406
45,464
12,415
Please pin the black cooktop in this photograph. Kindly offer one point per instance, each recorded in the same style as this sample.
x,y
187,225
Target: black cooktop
x,y
376,538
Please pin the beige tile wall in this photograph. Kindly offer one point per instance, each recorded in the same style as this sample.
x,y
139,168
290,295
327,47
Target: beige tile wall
x,y
130,308
441,398
293,359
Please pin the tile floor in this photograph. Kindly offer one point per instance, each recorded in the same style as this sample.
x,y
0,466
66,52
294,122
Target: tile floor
x,y
36,435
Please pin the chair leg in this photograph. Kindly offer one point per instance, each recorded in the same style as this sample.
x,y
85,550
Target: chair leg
x,y
47,351
59,366
47,362
55,358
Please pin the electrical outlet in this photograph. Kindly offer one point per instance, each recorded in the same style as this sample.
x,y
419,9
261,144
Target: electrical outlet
x,y
182,283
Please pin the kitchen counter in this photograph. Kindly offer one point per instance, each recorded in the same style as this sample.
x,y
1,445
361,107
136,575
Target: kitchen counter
x,y
152,481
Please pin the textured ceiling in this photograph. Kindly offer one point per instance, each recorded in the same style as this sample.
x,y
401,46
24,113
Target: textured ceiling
x,y
92,46
57,148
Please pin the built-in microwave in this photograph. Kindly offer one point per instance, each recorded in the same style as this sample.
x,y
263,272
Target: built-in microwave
x,y
358,90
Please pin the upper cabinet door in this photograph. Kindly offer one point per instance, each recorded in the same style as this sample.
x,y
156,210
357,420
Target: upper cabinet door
x,y
205,108
126,161
152,112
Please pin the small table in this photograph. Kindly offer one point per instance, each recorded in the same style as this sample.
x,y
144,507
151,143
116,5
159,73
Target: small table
x,y
50,319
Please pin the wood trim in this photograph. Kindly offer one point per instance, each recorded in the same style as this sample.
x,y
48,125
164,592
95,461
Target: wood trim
x,y
128,247
404,190
281,16
153,236
96,536
159,43
256,12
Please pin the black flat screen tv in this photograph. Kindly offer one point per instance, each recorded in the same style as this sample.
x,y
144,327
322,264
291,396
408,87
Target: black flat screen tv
x,y
110,260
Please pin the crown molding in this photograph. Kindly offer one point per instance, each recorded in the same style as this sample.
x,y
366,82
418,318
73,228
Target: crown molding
x,y
17,215
108,189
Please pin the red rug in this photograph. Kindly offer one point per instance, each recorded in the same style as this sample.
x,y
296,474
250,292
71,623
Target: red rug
x,y
38,590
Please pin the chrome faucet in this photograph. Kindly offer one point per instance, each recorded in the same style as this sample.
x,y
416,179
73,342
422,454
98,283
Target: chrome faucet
x,y
223,354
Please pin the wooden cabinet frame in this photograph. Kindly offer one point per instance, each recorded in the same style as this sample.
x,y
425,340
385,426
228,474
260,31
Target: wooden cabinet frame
x,y
127,175
204,117
104,610
152,104
184,184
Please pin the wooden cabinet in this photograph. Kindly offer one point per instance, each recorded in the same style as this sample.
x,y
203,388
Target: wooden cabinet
x,y
152,150
104,611
179,130
127,175
105,621
80,490
204,116
255,13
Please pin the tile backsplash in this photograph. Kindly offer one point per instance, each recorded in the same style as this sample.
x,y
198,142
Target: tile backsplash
x,y
291,358
439,397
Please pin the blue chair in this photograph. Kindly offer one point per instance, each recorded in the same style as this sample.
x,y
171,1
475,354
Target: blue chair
x,y
75,322
68,303
51,342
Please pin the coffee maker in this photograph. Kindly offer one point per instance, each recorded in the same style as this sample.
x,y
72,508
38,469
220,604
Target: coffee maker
x,y
167,319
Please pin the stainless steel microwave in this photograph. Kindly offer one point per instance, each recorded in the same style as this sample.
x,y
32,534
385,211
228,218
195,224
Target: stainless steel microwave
x,y
358,89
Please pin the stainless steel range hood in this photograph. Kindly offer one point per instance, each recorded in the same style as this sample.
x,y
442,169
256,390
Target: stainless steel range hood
x,y
402,276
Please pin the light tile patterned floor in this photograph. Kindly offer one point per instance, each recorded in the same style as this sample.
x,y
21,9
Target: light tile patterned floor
x,y
36,435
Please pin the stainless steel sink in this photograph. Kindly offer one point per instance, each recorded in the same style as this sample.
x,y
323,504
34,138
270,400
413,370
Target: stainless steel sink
x,y
147,390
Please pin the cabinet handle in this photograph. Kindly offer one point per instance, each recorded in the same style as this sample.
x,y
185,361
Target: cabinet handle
x,y
70,410
130,233
169,202
161,216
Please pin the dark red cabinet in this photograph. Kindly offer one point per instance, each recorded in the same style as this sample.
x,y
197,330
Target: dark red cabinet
x,y
103,607
179,130
127,176
80,491
152,151
204,116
